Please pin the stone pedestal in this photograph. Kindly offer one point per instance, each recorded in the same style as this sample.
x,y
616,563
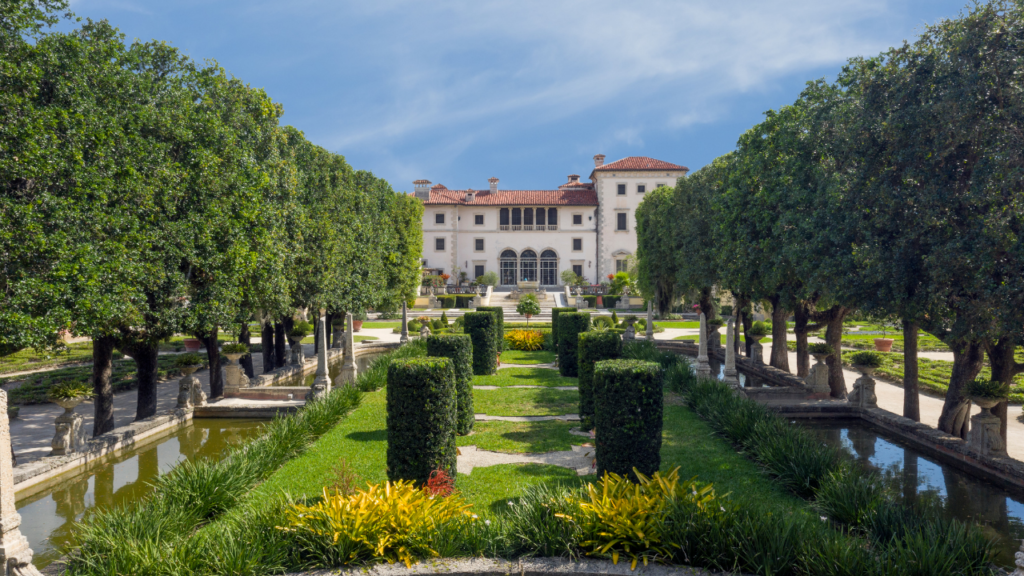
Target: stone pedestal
x,y
629,334
757,353
432,302
321,386
15,554
731,375
405,324
69,437
984,435
580,303
424,331
297,356
817,377
185,404
650,322
338,335
863,394
703,366
714,338
623,303
348,368
234,376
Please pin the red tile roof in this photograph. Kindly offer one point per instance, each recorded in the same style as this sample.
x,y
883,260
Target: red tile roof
x,y
571,184
439,195
639,163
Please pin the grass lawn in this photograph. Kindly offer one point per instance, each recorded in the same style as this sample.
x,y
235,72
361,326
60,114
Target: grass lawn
x,y
381,325
526,402
177,343
524,326
524,357
925,342
522,437
524,377
356,338
693,338
677,324
29,359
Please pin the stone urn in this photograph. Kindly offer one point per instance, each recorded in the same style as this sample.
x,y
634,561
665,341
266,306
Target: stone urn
x,y
984,435
357,325
883,344
868,371
186,393
817,376
863,394
986,403
68,404
234,376
68,437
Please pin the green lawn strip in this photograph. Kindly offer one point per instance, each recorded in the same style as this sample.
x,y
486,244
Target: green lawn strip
x,y
356,338
525,326
526,402
525,377
524,357
177,343
677,324
925,343
29,359
490,489
693,338
522,437
382,325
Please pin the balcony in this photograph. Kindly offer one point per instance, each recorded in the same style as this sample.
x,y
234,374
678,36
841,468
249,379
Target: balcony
x,y
516,227
552,226
503,227
527,227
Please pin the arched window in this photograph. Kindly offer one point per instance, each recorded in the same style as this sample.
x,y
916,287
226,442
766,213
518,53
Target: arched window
x,y
527,218
540,218
553,218
517,218
528,266
548,268
503,218
508,268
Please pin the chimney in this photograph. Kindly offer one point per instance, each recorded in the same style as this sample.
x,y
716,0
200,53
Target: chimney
x,y
494,184
470,195
598,160
574,178
422,189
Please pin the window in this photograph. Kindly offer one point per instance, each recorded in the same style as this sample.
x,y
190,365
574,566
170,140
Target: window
x,y
641,188
439,218
577,244
508,268
660,184
540,218
517,217
478,244
439,244
478,271
552,216
503,216
620,223
577,219
528,216
621,265
528,266
578,269
478,219
622,189
548,268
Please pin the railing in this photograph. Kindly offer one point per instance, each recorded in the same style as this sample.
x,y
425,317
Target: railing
x,y
527,227
503,227
452,289
592,290
552,226
516,227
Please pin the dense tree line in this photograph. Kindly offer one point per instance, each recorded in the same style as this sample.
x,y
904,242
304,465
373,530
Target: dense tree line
x,y
895,191
145,195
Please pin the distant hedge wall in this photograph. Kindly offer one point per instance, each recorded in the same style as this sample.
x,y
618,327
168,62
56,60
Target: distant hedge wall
x,y
593,347
554,323
570,325
482,328
628,407
421,408
499,314
459,349
446,301
463,300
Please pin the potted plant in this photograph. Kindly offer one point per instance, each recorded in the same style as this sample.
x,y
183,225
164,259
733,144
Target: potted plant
x,y
757,331
987,393
192,344
866,362
528,306
188,362
299,331
819,351
68,395
357,320
884,344
235,350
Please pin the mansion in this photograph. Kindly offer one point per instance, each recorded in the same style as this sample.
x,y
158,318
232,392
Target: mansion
x,y
535,235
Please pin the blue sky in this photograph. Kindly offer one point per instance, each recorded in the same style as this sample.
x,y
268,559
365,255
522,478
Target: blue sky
x,y
528,91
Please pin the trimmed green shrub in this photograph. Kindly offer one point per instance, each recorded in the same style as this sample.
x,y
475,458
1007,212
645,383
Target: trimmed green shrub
x,y
866,358
610,301
444,318
499,315
819,348
759,328
458,348
414,326
591,301
554,322
593,347
482,328
604,321
446,301
463,300
570,325
628,403
421,418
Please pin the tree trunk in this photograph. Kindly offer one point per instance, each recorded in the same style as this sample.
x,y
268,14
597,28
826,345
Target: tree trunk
x,y
780,352
748,322
246,361
213,355
329,323
834,338
103,402
1004,368
802,327
911,395
279,343
269,356
316,334
145,356
956,411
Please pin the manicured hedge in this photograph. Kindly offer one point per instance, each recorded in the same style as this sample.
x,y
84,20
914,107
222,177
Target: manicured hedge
x,y
554,322
628,416
610,301
482,327
446,301
592,301
459,349
499,314
593,347
463,300
570,325
421,418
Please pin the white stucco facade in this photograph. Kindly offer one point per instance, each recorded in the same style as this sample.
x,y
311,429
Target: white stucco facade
x,y
538,234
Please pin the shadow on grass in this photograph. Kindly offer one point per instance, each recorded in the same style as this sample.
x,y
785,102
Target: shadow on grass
x,y
369,436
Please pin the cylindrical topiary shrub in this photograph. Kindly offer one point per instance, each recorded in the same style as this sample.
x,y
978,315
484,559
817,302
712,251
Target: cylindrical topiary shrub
x,y
554,323
421,418
570,325
593,347
628,416
459,349
499,314
482,328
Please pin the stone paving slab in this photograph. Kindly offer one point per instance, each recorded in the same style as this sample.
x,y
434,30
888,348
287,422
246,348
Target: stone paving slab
x,y
579,458
545,365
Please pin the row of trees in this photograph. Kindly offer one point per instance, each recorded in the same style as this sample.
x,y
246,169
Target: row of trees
x,y
895,190
145,195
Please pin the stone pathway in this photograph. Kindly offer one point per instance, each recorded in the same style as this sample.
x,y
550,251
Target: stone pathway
x,y
579,458
547,365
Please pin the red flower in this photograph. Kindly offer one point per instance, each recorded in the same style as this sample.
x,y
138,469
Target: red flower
x,y
611,276
440,484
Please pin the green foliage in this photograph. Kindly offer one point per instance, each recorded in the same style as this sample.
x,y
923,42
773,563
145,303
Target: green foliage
x,y
300,330
489,278
570,278
234,348
570,326
459,349
188,359
421,408
619,281
499,314
554,322
414,326
988,389
484,330
528,306
866,358
70,390
446,301
628,402
819,348
524,340
593,347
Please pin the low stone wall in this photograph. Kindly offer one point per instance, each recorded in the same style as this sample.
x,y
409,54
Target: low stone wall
x,y
32,476
781,384
292,376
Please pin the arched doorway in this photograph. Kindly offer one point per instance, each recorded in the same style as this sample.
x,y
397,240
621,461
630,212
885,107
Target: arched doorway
x,y
507,265
528,266
548,268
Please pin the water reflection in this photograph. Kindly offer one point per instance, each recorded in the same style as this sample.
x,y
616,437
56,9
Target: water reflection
x,y
960,494
48,517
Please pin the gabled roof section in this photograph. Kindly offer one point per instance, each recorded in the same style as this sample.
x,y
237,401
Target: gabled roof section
x,y
439,196
639,163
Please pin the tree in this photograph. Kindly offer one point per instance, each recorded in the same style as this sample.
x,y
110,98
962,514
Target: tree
x,y
528,306
655,250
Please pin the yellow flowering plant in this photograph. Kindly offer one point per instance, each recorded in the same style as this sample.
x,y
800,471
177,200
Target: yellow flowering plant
x,y
528,340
